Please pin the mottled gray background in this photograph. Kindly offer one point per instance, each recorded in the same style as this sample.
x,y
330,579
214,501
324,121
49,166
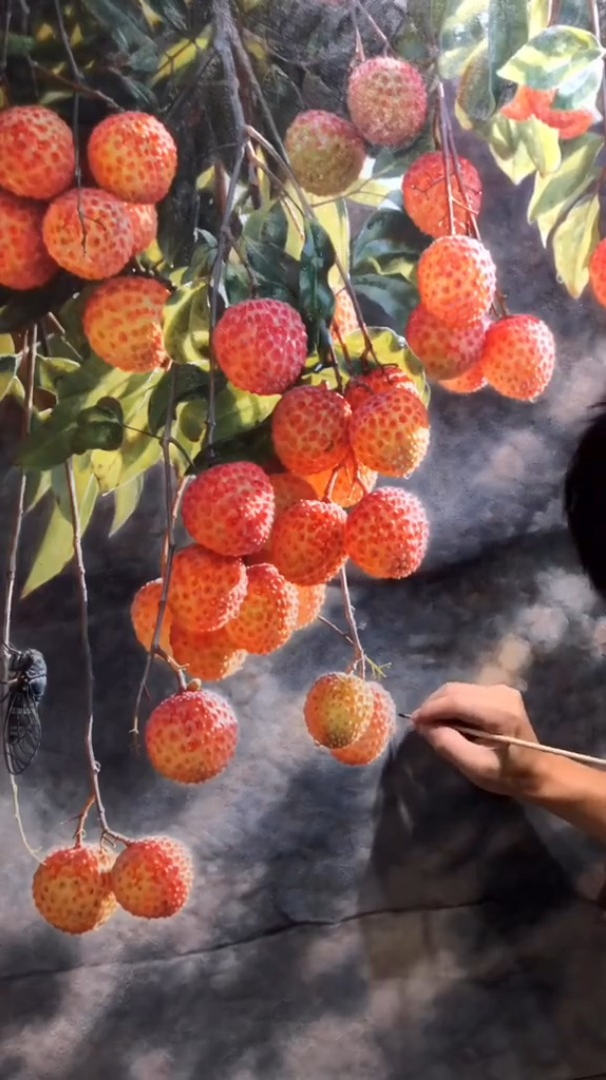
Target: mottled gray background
x,y
391,923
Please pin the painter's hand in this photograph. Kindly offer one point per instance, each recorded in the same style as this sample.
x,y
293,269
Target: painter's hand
x,y
496,710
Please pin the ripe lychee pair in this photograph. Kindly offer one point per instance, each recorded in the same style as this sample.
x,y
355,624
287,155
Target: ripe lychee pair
x,y
354,719
78,889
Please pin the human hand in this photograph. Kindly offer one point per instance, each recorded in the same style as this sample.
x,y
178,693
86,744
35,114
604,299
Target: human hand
x,y
496,710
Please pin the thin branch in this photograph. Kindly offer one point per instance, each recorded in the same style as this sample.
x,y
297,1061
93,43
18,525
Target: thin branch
x,y
446,157
172,511
377,29
93,765
76,86
359,54
333,626
82,816
29,355
359,654
73,67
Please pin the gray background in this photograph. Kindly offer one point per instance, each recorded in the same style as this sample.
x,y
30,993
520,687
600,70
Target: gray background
x,y
389,923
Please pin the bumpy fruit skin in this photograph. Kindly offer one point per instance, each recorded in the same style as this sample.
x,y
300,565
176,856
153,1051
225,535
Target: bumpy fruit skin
x,y
597,272
230,509
346,484
133,156
152,878
446,352
211,657
457,280
192,737
425,195
469,383
261,346
144,223
338,710
24,260
72,889
308,542
310,429
387,534
569,122
268,616
387,101
390,434
144,613
311,601
289,489
375,740
345,319
519,357
206,590
123,323
37,154
326,153
89,233
378,381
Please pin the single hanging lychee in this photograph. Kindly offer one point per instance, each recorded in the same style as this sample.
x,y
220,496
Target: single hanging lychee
x,y
387,101
326,153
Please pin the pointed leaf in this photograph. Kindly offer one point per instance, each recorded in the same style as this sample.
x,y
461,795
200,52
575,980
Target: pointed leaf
x,y
317,299
126,500
574,241
553,195
553,56
99,427
509,149
56,548
543,145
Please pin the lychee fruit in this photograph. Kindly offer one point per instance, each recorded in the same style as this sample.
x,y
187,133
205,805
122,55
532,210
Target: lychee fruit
x,y
230,508
72,889
387,534
346,484
289,489
144,614
445,351
375,740
469,383
144,223
326,153
24,260
310,429
268,616
345,319
210,656
597,272
37,153
308,542
153,878
338,709
457,280
123,323
387,101
426,199
206,589
311,601
390,434
377,381
261,346
519,357
192,736
88,232
134,156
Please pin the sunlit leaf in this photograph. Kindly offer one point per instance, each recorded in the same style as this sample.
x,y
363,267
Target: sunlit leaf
x,y
8,370
56,547
542,143
574,240
237,411
126,500
553,56
509,149
553,195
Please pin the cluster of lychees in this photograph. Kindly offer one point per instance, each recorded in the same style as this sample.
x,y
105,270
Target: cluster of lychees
x,y
49,221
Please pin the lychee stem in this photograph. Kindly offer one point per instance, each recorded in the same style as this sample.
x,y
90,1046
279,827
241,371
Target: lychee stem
x,y
446,157
88,659
359,654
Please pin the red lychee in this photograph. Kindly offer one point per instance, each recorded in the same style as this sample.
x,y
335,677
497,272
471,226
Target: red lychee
x,y
377,381
519,357
387,101
311,601
37,154
192,736
210,657
72,889
230,508
152,878
206,589
310,429
387,534
88,232
144,222
390,434
134,156
446,352
346,484
261,346
326,153
24,261
338,709
375,740
457,280
308,542
268,616
144,614
426,199
123,323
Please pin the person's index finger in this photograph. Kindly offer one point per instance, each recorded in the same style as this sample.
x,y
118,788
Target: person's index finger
x,y
462,703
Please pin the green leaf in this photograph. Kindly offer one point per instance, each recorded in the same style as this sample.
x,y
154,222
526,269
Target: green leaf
x,y
237,412
370,193
553,195
268,225
574,241
464,26
191,383
56,548
317,300
394,295
36,486
186,323
389,243
507,34
192,421
509,149
8,371
54,368
126,500
542,143
475,96
99,427
539,14
580,92
557,54
391,163
390,350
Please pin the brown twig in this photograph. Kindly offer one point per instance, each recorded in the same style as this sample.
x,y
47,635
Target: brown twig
x,y
76,86
29,356
333,626
93,765
444,147
82,816
350,616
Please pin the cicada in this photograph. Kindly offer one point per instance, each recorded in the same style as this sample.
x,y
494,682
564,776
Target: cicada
x,y
22,731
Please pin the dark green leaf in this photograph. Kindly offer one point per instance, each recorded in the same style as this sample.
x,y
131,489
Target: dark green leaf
x,y
268,225
389,163
558,54
475,95
507,33
24,308
193,419
395,296
99,427
388,243
317,260
192,384
238,412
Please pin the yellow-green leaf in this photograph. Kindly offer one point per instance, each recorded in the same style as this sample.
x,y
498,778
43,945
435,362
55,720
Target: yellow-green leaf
x,y
509,150
554,56
542,143
126,500
553,195
57,546
573,243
